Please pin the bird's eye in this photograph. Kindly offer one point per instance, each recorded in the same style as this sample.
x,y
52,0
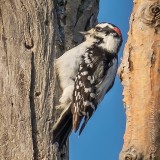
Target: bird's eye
x,y
98,29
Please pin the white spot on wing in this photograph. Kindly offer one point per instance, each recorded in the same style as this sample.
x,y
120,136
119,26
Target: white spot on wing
x,y
92,95
84,73
86,103
87,60
86,90
79,76
80,83
90,65
80,68
89,78
92,106
84,113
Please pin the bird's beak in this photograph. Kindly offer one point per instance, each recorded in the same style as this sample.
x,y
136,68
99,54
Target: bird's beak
x,y
83,33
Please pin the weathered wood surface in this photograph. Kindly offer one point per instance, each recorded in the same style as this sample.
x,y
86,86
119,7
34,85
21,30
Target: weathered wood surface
x,y
32,34
140,75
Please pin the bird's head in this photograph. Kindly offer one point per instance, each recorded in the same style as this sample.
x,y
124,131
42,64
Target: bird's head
x,y
105,35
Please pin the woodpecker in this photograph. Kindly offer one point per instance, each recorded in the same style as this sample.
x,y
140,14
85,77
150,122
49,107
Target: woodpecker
x,y
86,73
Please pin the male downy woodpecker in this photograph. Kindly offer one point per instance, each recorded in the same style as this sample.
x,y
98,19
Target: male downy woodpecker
x,y
86,74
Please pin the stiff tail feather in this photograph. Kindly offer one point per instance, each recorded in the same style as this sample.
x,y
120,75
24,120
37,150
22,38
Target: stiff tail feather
x,y
63,128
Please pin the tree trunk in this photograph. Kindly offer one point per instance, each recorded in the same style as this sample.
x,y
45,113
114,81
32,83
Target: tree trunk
x,y
140,75
32,34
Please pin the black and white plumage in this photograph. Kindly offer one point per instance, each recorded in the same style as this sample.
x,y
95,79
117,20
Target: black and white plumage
x,y
86,74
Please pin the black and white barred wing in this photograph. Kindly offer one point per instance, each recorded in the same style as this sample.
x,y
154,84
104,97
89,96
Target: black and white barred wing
x,y
91,76
108,80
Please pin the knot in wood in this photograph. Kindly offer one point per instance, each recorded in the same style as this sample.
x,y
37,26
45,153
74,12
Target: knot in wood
x,y
150,14
130,154
128,158
29,44
155,9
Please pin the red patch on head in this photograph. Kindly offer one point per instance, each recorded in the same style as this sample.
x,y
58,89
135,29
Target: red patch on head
x,y
117,31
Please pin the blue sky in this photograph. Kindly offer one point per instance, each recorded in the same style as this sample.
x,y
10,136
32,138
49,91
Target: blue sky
x,y
102,139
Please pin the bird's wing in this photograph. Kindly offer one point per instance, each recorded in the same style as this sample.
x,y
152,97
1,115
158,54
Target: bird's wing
x,y
91,77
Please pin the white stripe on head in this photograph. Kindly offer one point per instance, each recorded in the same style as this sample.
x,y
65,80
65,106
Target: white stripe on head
x,y
103,25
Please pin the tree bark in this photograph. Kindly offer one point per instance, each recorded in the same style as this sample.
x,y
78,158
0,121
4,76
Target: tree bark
x,y
32,34
140,75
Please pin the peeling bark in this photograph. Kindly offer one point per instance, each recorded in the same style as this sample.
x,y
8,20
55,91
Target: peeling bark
x,y
32,34
140,76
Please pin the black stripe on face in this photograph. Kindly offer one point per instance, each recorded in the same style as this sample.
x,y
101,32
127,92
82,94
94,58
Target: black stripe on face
x,y
111,31
99,40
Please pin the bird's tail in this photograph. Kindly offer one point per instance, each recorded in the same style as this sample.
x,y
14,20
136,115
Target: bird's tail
x,y
63,127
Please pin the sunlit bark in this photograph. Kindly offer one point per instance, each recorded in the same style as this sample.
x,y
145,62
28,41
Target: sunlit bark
x,y
140,75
